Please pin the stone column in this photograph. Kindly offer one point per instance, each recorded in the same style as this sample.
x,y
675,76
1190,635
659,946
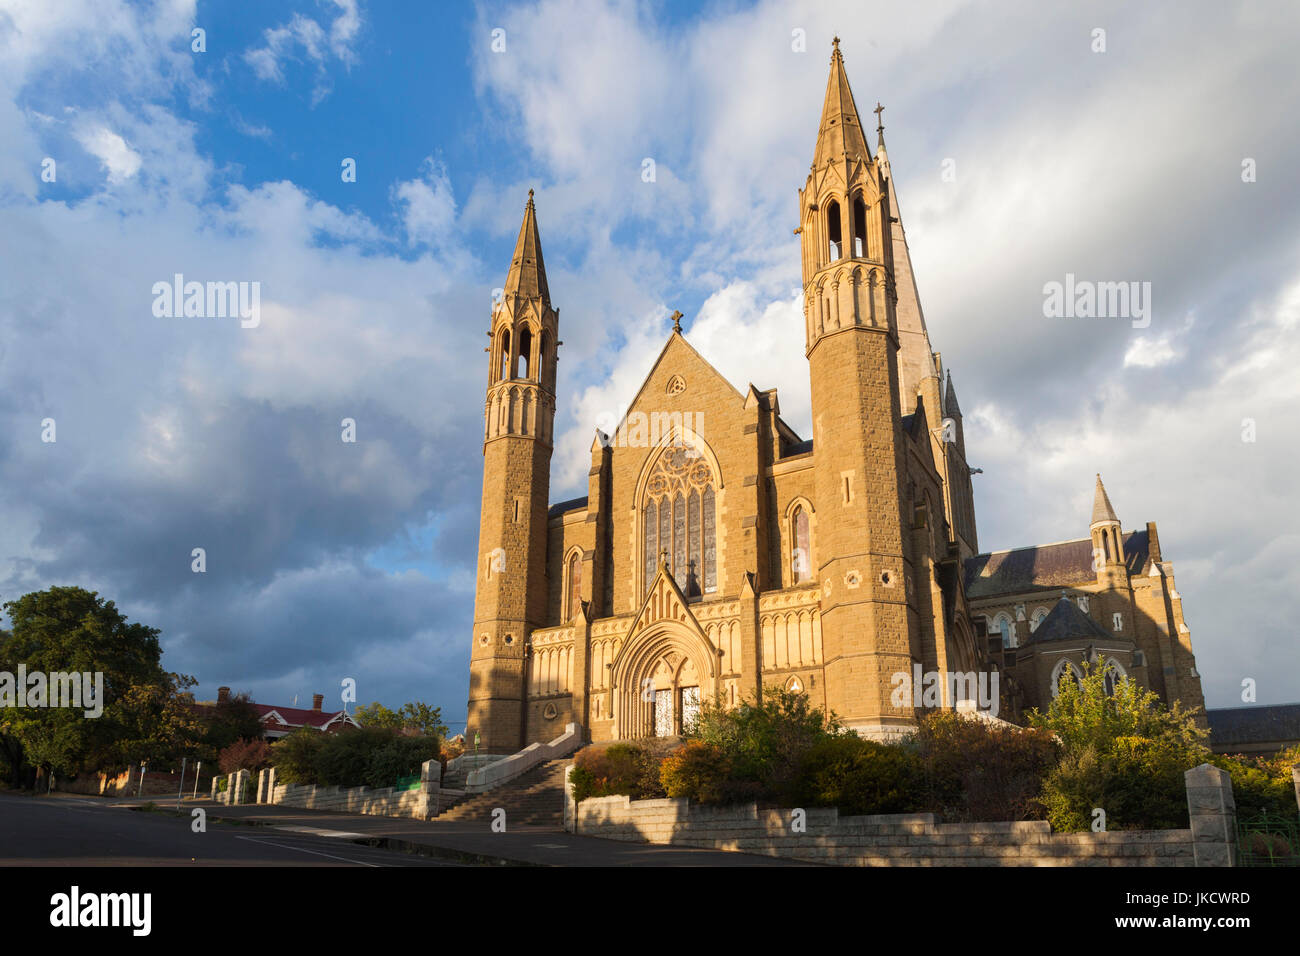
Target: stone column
x,y
270,785
216,780
1213,815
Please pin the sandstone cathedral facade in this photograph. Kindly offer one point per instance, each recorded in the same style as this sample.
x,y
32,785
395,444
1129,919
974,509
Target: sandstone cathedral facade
x,y
718,554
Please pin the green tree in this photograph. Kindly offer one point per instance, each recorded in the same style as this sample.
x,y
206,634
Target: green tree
x,y
69,629
1123,752
416,716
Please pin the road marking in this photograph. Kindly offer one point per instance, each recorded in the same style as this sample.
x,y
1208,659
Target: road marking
x,y
314,852
317,831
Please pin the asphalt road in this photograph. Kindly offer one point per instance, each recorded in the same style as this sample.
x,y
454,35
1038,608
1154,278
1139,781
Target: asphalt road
x,y
71,831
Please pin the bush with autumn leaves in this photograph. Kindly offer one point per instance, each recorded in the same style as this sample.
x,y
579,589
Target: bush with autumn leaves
x,y
1102,744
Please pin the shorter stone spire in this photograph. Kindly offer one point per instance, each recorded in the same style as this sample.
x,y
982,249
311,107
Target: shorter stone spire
x,y
1101,506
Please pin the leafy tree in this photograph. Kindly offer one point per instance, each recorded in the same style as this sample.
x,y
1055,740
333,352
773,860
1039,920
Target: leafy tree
x,y
67,629
228,721
245,755
1083,715
416,716
1124,753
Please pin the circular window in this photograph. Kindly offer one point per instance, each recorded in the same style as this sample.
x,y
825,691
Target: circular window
x,y
483,640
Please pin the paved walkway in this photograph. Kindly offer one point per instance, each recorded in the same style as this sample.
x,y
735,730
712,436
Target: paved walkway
x,y
468,841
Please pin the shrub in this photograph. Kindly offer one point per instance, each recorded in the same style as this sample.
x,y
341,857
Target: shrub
x,y
401,756
976,770
699,771
1260,785
1138,782
245,755
617,769
294,756
766,739
862,776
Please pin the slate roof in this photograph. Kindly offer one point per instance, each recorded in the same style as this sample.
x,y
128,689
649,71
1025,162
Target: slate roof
x,y
1232,726
1045,566
563,507
1065,622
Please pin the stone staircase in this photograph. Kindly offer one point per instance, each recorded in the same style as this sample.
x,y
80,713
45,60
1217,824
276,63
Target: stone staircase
x,y
533,799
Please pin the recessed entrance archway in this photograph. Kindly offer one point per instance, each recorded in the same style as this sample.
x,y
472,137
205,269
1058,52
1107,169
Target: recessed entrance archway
x,y
661,679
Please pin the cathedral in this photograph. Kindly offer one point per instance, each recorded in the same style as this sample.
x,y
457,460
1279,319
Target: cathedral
x,y
718,554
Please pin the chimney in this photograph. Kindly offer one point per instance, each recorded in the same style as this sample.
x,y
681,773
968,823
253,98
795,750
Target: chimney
x,y
223,694
316,701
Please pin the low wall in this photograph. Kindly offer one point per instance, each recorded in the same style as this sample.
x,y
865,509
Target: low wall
x,y
503,771
420,803
385,802
823,836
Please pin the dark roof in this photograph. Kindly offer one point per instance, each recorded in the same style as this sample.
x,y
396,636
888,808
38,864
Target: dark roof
x,y
563,507
798,448
1066,622
1257,724
1045,566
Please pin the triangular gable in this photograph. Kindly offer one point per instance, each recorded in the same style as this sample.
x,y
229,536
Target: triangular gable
x,y
664,601
675,338
276,715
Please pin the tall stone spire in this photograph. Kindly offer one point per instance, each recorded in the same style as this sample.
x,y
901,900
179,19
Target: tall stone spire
x,y
527,276
840,133
915,360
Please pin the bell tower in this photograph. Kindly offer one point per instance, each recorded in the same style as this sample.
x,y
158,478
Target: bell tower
x,y
852,349
510,591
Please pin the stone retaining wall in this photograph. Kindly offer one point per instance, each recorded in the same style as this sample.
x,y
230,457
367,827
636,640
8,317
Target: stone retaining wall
x,y
823,836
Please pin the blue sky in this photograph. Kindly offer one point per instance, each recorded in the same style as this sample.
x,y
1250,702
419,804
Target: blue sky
x,y
328,560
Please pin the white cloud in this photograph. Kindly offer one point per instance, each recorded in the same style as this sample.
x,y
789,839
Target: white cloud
x,y
113,153
430,207
306,37
1147,352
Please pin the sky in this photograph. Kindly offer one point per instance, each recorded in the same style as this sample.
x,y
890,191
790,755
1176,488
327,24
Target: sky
x,y
1026,147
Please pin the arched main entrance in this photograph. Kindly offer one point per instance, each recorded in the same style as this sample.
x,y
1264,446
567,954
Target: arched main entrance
x,y
661,678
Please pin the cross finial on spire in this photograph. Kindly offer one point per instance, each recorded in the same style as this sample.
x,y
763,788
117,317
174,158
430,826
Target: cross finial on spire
x,y
677,321
835,42
530,195
880,120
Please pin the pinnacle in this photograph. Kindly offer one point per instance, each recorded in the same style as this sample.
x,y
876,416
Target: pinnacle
x,y
840,133
1101,506
527,276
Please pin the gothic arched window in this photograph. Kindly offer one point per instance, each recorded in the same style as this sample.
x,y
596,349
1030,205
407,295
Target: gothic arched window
x,y
525,353
505,355
834,232
575,586
801,553
679,521
859,228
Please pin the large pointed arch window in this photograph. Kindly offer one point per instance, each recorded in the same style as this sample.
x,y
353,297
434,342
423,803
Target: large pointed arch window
x,y
679,521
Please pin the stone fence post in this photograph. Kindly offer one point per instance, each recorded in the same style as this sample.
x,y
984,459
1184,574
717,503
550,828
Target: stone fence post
x,y
216,781
1213,816
570,805
430,784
